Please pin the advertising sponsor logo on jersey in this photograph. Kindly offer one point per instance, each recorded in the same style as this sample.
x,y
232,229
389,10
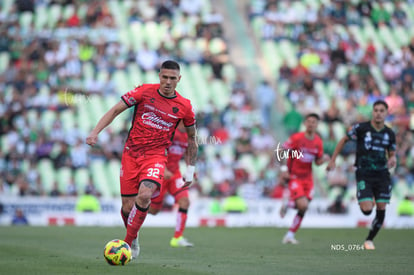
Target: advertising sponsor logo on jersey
x,y
151,119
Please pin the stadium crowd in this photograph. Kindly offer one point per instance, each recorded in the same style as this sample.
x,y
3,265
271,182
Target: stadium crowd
x,y
57,56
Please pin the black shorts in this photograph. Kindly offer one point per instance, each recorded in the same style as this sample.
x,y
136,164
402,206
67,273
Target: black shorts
x,y
370,186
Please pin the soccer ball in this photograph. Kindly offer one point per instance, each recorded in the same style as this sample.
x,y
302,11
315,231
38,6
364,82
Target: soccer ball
x,y
117,252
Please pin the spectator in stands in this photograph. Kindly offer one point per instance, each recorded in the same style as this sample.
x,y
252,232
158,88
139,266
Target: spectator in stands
x,y
399,15
292,120
191,7
44,146
285,72
164,10
217,60
79,155
71,189
55,192
63,158
380,16
406,207
333,113
265,95
34,181
91,189
147,58
392,70
19,218
394,100
353,17
88,203
262,140
339,12
243,143
365,8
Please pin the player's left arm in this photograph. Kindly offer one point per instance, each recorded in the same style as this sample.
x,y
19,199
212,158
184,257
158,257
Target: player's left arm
x,y
392,158
191,154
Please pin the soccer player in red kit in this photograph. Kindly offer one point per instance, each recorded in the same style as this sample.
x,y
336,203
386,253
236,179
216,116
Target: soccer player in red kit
x,y
158,108
301,150
173,184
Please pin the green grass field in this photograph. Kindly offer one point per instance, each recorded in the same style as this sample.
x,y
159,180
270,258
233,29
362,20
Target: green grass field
x,y
78,250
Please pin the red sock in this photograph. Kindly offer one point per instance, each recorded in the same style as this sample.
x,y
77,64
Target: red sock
x,y
181,220
296,223
124,218
135,220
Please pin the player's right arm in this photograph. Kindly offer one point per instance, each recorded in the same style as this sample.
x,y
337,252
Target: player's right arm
x,y
350,135
106,119
338,149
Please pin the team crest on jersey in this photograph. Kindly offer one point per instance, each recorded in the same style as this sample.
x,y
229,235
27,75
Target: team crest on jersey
x,y
175,110
132,101
368,141
152,100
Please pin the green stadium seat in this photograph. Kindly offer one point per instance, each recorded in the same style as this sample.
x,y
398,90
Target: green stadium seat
x,y
271,56
47,174
63,176
377,74
217,45
82,10
47,119
219,94
153,34
100,178
112,170
359,34
6,6
25,19
134,74
118,13
151,77
41,17
68,119
257,25
88,71
81,178
54,14
289,52
68,11
4,144
323,129
229,72
371,33
400,33
82,118
121,82
388,39
400,189
339,130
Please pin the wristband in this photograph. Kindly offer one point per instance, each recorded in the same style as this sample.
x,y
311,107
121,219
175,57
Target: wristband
x,y
189,174
283,168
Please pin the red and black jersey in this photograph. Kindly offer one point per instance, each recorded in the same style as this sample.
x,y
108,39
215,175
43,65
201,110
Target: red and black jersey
x,y
302,152
155,119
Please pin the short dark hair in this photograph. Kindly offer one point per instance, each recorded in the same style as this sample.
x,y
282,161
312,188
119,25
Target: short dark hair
x,y
380,102
315,115
171,65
